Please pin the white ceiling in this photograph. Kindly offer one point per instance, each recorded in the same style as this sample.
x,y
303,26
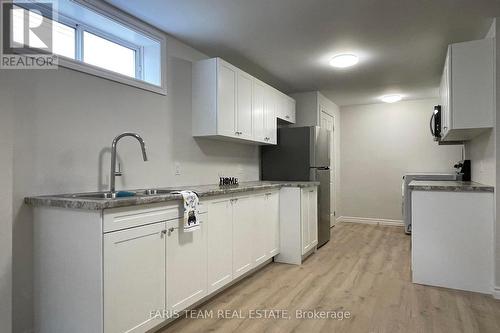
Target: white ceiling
x,y
288,43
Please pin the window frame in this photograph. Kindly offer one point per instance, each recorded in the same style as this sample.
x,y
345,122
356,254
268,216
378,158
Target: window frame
x,y
127,21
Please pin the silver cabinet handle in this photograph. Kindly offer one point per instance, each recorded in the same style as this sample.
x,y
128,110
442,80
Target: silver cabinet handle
x,y
239,133
287,117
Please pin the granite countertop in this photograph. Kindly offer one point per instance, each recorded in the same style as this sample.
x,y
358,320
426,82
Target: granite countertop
x,y
449,185
72,201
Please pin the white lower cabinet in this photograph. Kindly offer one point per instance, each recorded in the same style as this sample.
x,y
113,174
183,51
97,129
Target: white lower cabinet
x,y
309,207
186,265
298,218
134,278
243,243
220,244
132,268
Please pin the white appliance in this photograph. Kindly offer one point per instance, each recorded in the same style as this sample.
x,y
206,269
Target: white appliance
x,y
406,193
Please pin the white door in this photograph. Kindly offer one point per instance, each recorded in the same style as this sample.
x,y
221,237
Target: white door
x,y
313,216
244,106
220,244
186,265
326,122
270,104
260,230
226,99
304,220
259,91
243,219
272,211
134,278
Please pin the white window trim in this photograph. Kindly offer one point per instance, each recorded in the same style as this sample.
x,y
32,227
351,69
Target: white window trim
x,y
128,21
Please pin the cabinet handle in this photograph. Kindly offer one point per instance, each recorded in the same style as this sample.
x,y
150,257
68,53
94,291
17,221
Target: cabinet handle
x,y
287,117
239,133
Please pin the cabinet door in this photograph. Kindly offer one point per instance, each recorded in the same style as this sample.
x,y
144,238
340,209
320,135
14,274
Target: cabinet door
x,y
260,230
186,265
134,278
226,99
259,91
313,216
444,91
304,220
244,106
272,211
220,244
270,103
243,213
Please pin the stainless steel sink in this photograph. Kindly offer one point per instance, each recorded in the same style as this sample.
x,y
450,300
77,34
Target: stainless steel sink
x,y
97,195
154,192
110,195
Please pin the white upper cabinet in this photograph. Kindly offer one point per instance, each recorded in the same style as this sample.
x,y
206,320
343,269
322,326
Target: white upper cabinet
x,y
259,118
286,109
467,90
226,99
232,105
244,110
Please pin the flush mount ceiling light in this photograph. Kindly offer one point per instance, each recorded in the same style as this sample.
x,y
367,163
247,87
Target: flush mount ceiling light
x,y
391,98
344,60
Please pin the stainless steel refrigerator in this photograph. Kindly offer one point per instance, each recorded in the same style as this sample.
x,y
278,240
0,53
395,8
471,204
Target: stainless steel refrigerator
x,y
302,153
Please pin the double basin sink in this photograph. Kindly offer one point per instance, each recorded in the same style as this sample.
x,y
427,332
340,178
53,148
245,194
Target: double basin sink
x,y
122,194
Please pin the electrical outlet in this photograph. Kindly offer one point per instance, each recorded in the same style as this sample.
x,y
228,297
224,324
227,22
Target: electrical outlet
x,y
177,167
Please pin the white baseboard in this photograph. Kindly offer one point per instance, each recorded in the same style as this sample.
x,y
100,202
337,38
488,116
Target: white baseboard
x,y
496,292
370,220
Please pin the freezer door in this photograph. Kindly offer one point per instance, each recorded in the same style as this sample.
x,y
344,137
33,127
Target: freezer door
x,y
323,176
320,147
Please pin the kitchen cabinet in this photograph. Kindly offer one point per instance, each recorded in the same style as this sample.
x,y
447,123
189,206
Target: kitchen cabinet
x,y
452,242
129,268
186,264
220,243
271,100
229,104
467,90
286,109
134,278
243,243
259,116
298,218
309,212
265,227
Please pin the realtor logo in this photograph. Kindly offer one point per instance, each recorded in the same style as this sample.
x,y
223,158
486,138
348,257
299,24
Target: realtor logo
x,y
26,35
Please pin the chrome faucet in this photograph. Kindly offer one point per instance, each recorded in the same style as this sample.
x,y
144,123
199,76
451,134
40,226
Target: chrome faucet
x,y
114,173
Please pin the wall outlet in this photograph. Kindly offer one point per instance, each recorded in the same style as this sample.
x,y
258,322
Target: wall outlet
x,y
177,167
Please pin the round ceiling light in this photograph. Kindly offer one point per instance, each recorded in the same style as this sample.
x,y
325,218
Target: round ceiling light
x,y
344,60
391,98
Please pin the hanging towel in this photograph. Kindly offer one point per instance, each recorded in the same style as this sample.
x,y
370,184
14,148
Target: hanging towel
x,y
191,220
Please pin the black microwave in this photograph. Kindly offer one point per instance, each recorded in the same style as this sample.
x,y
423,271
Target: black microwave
x,y
435,123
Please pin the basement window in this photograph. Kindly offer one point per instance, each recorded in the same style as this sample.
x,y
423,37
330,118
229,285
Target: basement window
x,y
94,38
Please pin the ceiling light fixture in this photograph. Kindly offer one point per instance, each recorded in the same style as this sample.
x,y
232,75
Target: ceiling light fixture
x,y
344,60
391,98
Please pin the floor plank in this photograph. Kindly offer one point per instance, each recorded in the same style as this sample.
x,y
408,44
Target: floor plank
x,y
364,269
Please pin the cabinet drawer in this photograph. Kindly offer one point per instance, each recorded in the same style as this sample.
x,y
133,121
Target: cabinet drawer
x,y
128,217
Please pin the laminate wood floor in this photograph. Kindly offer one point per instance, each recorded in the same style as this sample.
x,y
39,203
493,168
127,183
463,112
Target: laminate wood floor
x,y
364,269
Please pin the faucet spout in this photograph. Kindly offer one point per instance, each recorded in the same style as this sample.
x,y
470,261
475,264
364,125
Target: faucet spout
x,y
113,155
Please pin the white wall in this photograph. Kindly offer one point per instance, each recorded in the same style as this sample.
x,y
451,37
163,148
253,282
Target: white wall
x,y
64,123
6,151
379,144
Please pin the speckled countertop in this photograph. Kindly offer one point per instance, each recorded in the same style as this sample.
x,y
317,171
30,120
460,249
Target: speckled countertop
x,y
71,201
450,186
